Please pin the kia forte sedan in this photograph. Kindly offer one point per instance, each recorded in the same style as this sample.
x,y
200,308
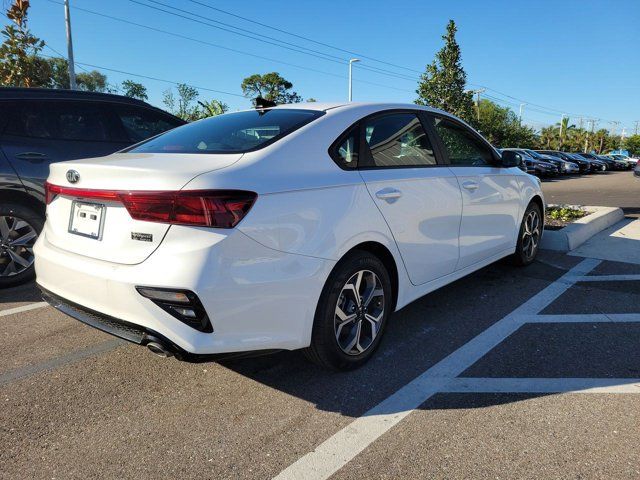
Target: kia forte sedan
x,y
296,227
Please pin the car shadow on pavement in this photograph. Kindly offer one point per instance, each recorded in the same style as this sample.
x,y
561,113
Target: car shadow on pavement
x,y
25,293
417,337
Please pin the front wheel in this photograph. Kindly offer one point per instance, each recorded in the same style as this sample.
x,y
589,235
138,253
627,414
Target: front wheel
x,y
19,229
352,313
529,236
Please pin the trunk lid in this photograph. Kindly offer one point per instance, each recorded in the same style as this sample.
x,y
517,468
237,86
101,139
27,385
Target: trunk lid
x,y
103,229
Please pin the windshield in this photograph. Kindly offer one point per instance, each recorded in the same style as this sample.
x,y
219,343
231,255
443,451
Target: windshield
x,y
230,133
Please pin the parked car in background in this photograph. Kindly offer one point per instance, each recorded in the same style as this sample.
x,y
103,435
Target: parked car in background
x,y
630,160
596,165
636,170
231,242
533,165
584,165
564,166
39,127
612,164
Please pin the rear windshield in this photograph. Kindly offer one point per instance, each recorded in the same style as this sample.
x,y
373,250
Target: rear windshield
x,y
230,133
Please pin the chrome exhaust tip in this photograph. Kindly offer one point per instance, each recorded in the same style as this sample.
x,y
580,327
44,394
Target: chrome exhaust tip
x,y
159,349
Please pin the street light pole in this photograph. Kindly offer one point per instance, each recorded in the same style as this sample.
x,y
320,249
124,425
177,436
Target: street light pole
x,y
522,105
72,70
351,62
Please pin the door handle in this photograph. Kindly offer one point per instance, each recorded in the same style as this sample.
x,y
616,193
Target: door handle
x,y
31,156
389,194
471,186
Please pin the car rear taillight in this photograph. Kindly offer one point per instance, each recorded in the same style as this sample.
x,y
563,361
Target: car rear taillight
x,y
205,208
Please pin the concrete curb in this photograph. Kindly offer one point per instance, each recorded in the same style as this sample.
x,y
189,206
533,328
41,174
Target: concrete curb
x,y
578,232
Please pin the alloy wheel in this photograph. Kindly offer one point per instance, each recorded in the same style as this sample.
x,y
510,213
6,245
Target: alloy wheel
x,y
359,312
531,234
17,238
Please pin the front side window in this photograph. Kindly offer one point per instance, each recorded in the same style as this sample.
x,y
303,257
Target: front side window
x,y
230,133
398,140
140,123
461,145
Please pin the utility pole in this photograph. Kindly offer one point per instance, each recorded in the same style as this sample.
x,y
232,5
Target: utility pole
x,y
351,62
72,70
635,131
624,130
615,127
561,128
477,94
589,134
580,123
522,105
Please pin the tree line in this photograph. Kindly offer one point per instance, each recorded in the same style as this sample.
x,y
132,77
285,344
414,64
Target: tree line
x,y
443,85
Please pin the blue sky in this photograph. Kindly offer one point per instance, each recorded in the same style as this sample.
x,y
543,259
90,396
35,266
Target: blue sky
x,y
574,57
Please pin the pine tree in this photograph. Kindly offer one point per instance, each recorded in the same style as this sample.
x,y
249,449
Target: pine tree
x,y
442,85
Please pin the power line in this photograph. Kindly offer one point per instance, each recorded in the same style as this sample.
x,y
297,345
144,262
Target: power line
x,y
204,42
153,78
350,52
256,36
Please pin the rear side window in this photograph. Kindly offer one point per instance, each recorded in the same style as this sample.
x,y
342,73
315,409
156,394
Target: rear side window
x,y
461,145
140,123
345,151
230,133
398,140
60,121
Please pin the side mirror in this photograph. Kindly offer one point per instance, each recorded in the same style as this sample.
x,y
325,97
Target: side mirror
x,y
511,159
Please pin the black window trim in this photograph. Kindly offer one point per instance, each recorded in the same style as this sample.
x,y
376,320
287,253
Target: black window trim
x,y
496,157
363,147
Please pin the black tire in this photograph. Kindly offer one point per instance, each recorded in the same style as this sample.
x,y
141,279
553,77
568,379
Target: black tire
x,y
523,254
325,349
9,212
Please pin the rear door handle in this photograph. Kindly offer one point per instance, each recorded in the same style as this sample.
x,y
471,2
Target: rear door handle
x,y
389,194
31,155
470,185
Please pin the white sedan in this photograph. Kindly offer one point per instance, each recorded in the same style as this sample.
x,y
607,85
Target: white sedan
x,y
296,227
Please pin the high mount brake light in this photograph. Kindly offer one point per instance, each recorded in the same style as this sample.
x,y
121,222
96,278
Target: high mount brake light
x,y
206,208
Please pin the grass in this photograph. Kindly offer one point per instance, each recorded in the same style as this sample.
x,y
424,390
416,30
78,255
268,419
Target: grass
x,y
561,215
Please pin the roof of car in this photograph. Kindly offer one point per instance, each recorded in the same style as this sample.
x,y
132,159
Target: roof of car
x,y
323,106
15,93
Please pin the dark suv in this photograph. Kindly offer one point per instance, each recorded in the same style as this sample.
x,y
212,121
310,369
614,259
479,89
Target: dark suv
x,y
39,127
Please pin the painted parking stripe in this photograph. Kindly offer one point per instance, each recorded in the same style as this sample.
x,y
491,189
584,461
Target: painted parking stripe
x,y
23,308
543,385
72,357
338,450
608,278
583,318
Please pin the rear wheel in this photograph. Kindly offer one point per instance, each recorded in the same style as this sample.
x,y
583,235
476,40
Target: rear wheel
x,y
529,236
19,230
352,313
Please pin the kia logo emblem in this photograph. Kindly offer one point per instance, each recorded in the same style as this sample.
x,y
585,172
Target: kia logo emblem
x,y
73,176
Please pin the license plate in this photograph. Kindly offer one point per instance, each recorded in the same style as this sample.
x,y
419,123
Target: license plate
x,y
87,219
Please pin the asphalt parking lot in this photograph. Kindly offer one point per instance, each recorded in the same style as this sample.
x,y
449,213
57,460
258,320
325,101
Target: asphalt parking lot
x,y
509,373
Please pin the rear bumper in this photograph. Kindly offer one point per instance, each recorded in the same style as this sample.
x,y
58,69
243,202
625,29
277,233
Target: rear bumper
x,y
257,298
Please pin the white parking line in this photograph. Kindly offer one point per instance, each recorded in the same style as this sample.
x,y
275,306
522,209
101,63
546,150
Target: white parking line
x,y
583,318
338,450
608,278
543,385
23,308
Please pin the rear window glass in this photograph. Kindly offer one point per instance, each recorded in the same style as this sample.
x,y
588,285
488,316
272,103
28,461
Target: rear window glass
x,y
230,133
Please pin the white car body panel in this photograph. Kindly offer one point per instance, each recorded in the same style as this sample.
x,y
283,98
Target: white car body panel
x,y
424,219
491,212
262,280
